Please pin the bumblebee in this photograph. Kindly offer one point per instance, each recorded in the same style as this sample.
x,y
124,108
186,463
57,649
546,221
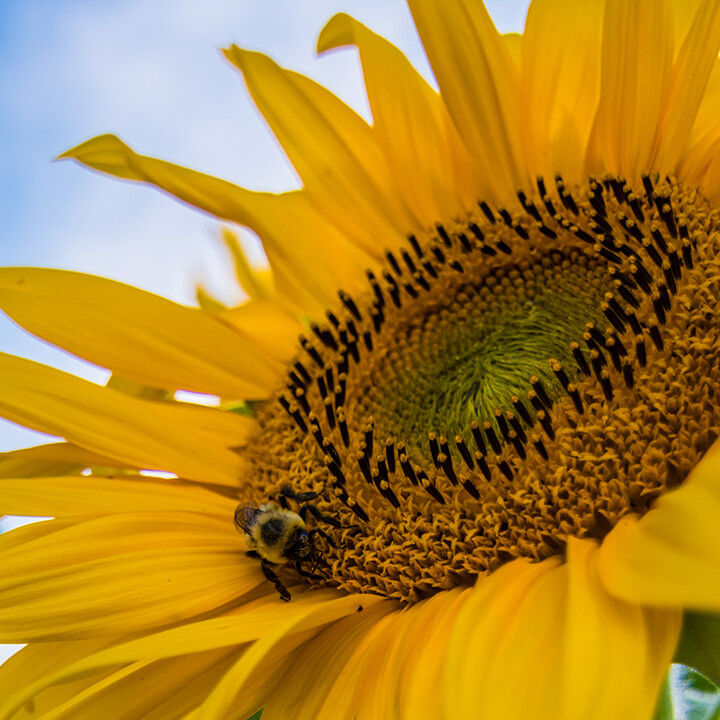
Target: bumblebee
x,y
278,535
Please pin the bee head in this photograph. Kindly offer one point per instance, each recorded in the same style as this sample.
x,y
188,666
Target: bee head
x,y
304,548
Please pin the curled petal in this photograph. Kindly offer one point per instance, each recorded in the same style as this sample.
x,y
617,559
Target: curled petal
x,y
671,556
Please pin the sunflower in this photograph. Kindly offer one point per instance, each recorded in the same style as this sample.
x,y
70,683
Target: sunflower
x,y
466,427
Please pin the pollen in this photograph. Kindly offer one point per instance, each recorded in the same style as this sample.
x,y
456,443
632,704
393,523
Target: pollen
x,y
508,380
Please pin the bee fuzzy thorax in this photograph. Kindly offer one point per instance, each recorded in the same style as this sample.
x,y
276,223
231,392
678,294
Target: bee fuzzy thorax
x,y
272,532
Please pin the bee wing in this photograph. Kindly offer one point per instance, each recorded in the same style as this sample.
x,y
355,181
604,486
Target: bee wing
x,y
245,517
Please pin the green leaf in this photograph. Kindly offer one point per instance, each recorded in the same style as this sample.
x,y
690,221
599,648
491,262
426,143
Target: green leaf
x,y
699,645
664,709
688,695
256,716
241,408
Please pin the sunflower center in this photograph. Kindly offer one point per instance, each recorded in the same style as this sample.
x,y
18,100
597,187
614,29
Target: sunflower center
x,y
463,356
507,381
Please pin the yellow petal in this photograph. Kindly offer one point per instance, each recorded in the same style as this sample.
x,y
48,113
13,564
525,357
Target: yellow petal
x,y
710,183
181,698
32,531
273,645
238,626
556,628
478,81
187,440
699,166
136,334
610,643
308,271
419,698
38,659
177,684
560,84
488,616
51,459
345,695
256,283
671,556
268,326
684,12
69,496
333,150
704,140
637,55
122,573
687,85
413,638
245,624
320,662
514,42
147,689
383,667
207,301
409,120
109,154
706,120
231,693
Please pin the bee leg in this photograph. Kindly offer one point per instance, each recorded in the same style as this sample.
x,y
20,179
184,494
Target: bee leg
x,y
286,492
322,534
273,578
252,553
312,574
329,519
318,559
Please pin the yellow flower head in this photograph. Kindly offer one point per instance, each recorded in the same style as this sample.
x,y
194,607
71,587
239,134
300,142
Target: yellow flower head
x,y
464,429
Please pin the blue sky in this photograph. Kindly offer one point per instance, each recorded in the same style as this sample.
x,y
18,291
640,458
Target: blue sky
x,y
150,71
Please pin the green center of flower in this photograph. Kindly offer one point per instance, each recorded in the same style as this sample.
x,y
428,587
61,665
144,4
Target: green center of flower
x,y
466,356
507,381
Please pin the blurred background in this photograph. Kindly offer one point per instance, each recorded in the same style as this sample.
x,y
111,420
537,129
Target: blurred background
x,y
150,71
